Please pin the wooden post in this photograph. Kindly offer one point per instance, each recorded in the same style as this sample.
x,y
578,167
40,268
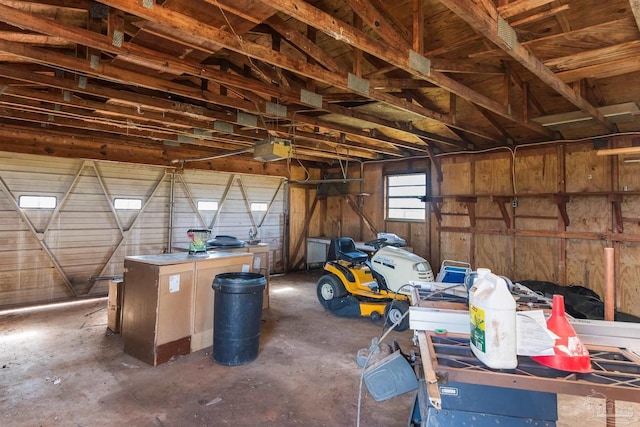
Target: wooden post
x,y
609,293
609,315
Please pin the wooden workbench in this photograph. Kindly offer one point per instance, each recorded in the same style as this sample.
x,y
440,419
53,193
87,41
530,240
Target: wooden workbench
x,y
167,307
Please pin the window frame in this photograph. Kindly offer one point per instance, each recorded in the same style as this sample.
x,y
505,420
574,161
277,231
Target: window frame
x,y
266,206
414,197
217,208
128,199
35,197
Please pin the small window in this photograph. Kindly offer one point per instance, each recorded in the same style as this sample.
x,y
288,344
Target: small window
x,y
207,206
259,207
37,202
403,196
130,204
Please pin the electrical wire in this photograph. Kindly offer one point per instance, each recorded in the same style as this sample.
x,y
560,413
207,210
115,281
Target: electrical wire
x,y
240,42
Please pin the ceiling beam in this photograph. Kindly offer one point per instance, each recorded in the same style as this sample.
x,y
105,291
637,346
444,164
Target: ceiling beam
x,y
635,8
111,73
483,17
103,43
399,57
379,23
597,62
204,36
21,139
305,45
521,6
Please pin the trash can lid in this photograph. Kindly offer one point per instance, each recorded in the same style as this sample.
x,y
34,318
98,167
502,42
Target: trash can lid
x,y
239,283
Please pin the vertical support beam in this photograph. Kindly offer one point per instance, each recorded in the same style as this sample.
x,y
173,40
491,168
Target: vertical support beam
x,y
115,26
435,206
171,207
616,205
94,23
303,233
418,26
562,243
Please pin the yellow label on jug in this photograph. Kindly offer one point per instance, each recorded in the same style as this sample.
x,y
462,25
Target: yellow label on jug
x,y
477,335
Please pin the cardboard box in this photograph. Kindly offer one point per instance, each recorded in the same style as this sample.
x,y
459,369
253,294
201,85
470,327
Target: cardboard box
x,y
114,306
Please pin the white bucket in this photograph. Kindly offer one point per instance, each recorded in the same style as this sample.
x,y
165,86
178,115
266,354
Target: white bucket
x,y
492,312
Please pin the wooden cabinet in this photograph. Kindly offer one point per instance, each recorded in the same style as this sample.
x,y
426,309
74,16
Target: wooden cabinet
x,y
168,302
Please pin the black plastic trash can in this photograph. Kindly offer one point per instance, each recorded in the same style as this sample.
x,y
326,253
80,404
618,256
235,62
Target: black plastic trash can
x,y
237,314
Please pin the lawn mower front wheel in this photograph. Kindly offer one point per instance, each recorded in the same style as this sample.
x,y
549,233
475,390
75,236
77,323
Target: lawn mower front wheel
x,y
328,288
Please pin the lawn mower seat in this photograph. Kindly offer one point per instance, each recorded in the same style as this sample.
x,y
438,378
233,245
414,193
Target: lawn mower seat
x,y
344,248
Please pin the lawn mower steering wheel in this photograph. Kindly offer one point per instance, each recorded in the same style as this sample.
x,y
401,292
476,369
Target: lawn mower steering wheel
x,y
377,243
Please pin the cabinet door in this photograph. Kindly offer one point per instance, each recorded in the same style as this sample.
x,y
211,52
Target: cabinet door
x,y
175,295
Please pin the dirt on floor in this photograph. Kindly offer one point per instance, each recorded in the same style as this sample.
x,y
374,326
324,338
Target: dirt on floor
x,y
63,367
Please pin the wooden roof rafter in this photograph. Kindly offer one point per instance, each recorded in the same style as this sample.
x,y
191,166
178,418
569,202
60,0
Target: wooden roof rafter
x,y
484,18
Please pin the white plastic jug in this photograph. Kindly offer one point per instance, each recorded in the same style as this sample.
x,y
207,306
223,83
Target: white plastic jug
x,y
492,312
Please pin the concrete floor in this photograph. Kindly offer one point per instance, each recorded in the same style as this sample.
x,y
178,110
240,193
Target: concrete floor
x,y
61,367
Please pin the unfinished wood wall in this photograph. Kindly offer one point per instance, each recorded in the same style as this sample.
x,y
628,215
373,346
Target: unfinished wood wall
x,y
355,209
565,215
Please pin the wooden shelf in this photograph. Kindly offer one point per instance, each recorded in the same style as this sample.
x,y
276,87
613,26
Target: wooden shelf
x,y
560,199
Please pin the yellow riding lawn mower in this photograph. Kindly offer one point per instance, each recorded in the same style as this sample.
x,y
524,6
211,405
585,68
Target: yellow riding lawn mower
x,y
355,285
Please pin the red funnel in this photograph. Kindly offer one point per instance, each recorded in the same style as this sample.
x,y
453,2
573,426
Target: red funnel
x,y
570,354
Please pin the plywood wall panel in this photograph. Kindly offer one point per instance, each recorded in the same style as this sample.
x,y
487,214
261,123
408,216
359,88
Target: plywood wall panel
x,y
455,246
628,176
454,214
589,214
543,206
585,171
536,258
374,203
630,207
536,171
585,264
456,177
538,246
493,176
486,208
493,252
628,283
